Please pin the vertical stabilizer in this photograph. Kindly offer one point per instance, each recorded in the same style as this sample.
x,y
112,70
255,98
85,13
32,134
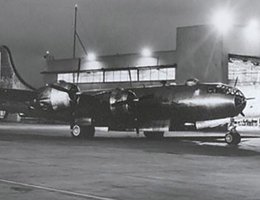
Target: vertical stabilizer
x,y
9,76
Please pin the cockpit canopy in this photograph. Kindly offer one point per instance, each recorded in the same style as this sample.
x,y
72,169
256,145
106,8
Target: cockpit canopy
x,y
224,89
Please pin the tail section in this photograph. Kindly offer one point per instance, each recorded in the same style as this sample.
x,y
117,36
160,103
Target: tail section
x,y
9,76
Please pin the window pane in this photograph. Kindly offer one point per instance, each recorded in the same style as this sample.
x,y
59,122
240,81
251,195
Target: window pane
x,y
154,74
133,75
125,75
170,73
89,77
98,77
59,77
144,75
68,77
117,76
163,74
83,77
120,76
109,76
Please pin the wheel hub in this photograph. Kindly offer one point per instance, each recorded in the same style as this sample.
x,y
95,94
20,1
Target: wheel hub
x,y
229,138
76,130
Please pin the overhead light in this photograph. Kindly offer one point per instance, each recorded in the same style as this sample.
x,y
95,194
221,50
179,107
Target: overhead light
x,y
47,55
223,20
146,52
91,57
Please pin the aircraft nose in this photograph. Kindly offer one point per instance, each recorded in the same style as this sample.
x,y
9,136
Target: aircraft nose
x,y
240,101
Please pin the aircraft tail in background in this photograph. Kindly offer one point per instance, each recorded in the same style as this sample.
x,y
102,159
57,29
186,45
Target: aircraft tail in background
x,y
9,76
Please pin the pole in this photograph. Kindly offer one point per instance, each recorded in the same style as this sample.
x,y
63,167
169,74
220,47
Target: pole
x,y
75,30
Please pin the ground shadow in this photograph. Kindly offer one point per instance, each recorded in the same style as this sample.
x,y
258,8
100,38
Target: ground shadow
x,y
211,146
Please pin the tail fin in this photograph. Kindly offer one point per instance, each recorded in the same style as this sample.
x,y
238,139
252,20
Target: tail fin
x,y
9,76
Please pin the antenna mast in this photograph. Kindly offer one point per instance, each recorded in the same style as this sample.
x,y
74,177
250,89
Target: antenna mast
x,y
75,30
76,35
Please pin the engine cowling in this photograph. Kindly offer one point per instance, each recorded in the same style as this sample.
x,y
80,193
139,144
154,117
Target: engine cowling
x,y
58,96
122,102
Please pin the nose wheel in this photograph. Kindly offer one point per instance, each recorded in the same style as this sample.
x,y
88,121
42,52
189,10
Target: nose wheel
x,y
233,137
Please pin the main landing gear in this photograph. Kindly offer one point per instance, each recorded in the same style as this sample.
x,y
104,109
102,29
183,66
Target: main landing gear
x,y
233,137
82,131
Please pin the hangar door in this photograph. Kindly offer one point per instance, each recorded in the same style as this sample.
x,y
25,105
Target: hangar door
x,y
245,68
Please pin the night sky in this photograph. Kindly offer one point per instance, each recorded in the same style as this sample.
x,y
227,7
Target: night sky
x,y
30,27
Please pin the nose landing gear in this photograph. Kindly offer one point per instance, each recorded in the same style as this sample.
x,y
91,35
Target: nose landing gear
x,y
233,137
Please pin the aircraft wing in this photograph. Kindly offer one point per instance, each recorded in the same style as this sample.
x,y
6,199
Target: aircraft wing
x,y
16,95
13,100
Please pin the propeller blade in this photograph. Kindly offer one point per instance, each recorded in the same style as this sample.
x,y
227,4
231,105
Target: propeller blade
x,y
250,98
242,114
73,93
235,84
57,87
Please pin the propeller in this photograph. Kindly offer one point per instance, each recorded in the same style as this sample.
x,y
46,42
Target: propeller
x,y
250,98
245,99
235,84
132,101
71,89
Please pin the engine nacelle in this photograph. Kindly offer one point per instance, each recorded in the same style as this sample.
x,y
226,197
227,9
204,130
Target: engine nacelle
x,y
212,123
122,102
59,96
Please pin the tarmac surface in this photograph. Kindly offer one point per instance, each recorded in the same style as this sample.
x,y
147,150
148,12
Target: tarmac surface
x,y
44,162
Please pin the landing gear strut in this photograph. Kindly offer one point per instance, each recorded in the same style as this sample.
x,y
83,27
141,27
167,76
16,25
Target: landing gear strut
x,y
82,131
233,137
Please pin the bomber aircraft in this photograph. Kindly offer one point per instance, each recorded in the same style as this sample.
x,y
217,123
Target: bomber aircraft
x,y
148,108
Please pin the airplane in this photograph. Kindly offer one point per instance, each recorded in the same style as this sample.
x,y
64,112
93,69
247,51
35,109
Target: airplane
x,y
121,109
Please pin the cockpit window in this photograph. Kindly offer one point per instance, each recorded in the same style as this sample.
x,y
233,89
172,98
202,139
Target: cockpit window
x,y
223,89
239,93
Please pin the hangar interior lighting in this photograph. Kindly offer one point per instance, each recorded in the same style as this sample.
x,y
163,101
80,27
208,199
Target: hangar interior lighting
x,y
252,30
146,52
223,20
253,24
91,57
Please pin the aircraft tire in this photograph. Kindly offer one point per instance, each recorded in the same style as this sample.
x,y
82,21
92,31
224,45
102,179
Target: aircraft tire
x,y
233,138
80,131
153,134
